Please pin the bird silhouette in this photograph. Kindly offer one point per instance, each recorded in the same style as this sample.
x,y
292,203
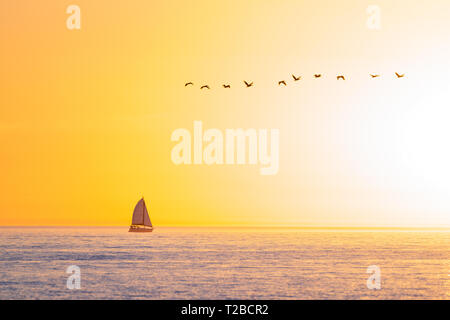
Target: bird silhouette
x,y
188,84
281,82
399,75
204,87
296,78
226,86
374,75
340,77
317,75
248,84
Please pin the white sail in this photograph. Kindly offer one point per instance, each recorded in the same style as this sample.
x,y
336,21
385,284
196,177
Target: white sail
x,y
140,214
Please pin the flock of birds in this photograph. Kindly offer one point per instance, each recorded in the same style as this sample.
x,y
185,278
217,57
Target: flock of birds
x,y
283,82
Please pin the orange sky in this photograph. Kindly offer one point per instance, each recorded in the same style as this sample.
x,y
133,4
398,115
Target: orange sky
x,y
86,115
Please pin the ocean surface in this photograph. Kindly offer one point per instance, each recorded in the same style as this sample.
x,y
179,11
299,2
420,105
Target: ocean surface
x,y
223,263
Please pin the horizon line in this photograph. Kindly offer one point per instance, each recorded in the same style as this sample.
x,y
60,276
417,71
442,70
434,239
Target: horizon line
x,y
244,227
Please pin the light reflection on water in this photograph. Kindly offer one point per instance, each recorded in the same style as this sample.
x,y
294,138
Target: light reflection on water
x,y
223,263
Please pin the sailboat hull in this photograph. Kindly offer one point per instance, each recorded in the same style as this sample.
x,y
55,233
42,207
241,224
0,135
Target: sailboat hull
x,y
139,229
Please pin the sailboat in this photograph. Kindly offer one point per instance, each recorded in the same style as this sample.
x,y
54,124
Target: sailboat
x,y
141,220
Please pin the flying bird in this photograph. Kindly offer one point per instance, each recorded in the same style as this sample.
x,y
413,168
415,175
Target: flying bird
x,y
226,86
204,87
282,82
296,78
340,77
317,75
248,84
374,75
399,75
188,84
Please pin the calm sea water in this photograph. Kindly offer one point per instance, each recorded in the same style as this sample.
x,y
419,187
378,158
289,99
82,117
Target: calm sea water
x,y
200,263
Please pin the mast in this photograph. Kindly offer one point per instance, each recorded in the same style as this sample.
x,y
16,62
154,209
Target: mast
x,y
143,211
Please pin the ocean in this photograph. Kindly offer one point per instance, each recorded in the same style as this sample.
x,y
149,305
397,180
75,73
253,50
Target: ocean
x,y
223,263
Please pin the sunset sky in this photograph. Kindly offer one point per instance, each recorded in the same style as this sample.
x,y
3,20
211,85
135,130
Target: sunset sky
x,y
86,115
